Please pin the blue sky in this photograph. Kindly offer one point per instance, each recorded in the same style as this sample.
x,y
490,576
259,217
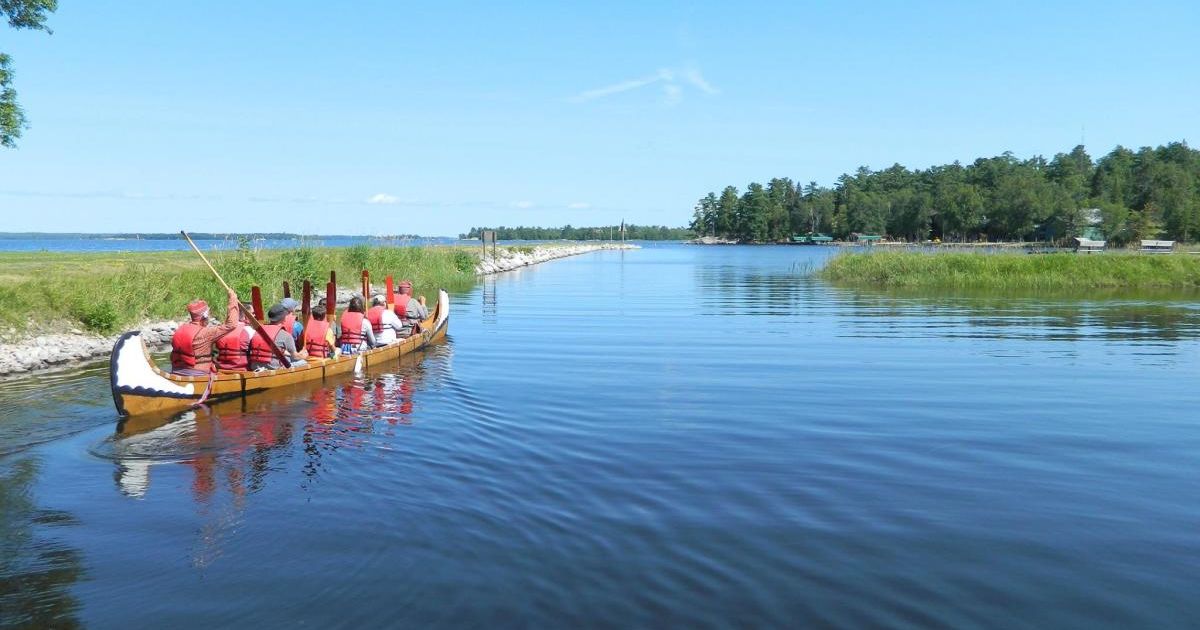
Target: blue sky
x,y
388,117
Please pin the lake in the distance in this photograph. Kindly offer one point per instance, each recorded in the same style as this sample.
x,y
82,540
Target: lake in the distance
x,y
673,436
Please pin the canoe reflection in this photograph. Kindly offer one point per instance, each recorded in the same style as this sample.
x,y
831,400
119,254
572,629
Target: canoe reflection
x,y
235,444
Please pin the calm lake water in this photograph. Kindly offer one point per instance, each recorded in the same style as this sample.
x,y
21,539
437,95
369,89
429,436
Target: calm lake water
x,y
675,436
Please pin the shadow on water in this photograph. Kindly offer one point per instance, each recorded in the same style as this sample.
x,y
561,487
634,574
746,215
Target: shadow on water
x,y
36,570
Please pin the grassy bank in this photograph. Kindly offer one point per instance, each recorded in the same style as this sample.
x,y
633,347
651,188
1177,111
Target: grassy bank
x,y
106,292
1013,270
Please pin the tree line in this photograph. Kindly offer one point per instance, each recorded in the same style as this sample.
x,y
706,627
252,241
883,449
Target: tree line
x,y
632,232
1124,196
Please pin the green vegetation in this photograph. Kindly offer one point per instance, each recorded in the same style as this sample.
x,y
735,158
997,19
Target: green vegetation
x,y
104,292
29,14
1122,197
568,233
1012,270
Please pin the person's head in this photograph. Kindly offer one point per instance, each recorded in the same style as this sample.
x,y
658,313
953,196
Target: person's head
x,y
277,313
356,304
198,310
321,302
289,303
318,312
244,310
405,287
378,300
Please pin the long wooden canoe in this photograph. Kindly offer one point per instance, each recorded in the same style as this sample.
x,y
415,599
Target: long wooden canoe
x,y
140,387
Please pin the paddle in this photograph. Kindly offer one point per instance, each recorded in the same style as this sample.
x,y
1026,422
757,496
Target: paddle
x,y
391,294
306,306
366,288
287,289
256,302
258,328
330,301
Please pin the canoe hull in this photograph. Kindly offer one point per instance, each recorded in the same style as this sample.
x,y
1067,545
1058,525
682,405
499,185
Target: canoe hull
x,y
139,387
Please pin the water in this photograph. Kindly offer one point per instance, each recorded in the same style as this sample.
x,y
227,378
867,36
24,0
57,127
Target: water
x,y
672,436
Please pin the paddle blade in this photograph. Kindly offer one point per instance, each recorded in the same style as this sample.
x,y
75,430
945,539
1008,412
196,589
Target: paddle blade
x,y
287,289
256,302
330,301
391,294
306,303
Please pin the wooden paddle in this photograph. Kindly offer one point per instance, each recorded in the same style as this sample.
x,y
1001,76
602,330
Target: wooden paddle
x,y
256,302
366,288
330,301
287,289
305,307
391,294
258,328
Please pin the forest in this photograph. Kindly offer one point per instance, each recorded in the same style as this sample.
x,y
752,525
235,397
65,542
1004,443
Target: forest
x,y
1121,197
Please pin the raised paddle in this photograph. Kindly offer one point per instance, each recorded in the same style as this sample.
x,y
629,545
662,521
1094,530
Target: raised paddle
x,y
258,328
256,302
287,289
306,306
391,293
366,289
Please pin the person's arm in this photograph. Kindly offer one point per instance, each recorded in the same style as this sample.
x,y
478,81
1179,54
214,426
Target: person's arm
x,y
284,340
210,334
393,322
368,332
332,341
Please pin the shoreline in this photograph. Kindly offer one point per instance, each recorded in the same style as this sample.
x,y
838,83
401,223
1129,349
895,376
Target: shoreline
x,y
43,351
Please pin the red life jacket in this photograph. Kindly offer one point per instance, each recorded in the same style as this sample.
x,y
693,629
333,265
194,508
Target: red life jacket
x,y
183,355
375,316
233,350
260,351
314,339
289,323
402,306
352,328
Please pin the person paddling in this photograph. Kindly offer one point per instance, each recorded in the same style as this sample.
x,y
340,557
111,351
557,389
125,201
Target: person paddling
x,y
384,323
409,310
277,332
233,349
319,341
192,344
356,328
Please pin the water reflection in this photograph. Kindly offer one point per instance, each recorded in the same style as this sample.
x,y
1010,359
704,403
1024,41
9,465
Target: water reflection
x,y
1119,315
37,571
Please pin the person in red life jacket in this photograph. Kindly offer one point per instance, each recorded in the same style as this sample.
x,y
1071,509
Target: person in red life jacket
x,y
261,355
291,324
409,310
318,336
192,344
233,349
357,333
384,323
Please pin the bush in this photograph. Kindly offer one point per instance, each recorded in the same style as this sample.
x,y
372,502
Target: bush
x,y
101,317
464,261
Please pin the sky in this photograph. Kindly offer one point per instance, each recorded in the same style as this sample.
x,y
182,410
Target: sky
x,y
388,118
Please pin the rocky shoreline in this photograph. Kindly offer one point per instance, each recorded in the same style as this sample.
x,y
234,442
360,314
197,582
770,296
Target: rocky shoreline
x,y
59,350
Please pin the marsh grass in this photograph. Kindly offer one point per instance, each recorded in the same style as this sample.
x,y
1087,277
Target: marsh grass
x,y
1066,271
104,292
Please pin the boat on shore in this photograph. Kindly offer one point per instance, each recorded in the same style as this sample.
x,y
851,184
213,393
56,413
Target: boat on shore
x,y
140,387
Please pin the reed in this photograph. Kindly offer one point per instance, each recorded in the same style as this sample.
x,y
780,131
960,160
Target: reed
x,y
106,292
1013,270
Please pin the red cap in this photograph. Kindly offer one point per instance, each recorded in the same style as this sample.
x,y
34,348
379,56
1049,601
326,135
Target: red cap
x,y
196,308
404,284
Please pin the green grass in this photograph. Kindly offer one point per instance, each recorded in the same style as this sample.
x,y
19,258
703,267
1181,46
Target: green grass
x,y
106,292
1013,270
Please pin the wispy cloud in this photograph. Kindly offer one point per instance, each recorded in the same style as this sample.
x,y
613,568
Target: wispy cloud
x,y
383,199
579,205
524,205
668,79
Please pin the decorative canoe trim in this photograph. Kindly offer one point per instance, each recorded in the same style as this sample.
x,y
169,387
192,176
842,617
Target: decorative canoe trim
x,y
132,372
